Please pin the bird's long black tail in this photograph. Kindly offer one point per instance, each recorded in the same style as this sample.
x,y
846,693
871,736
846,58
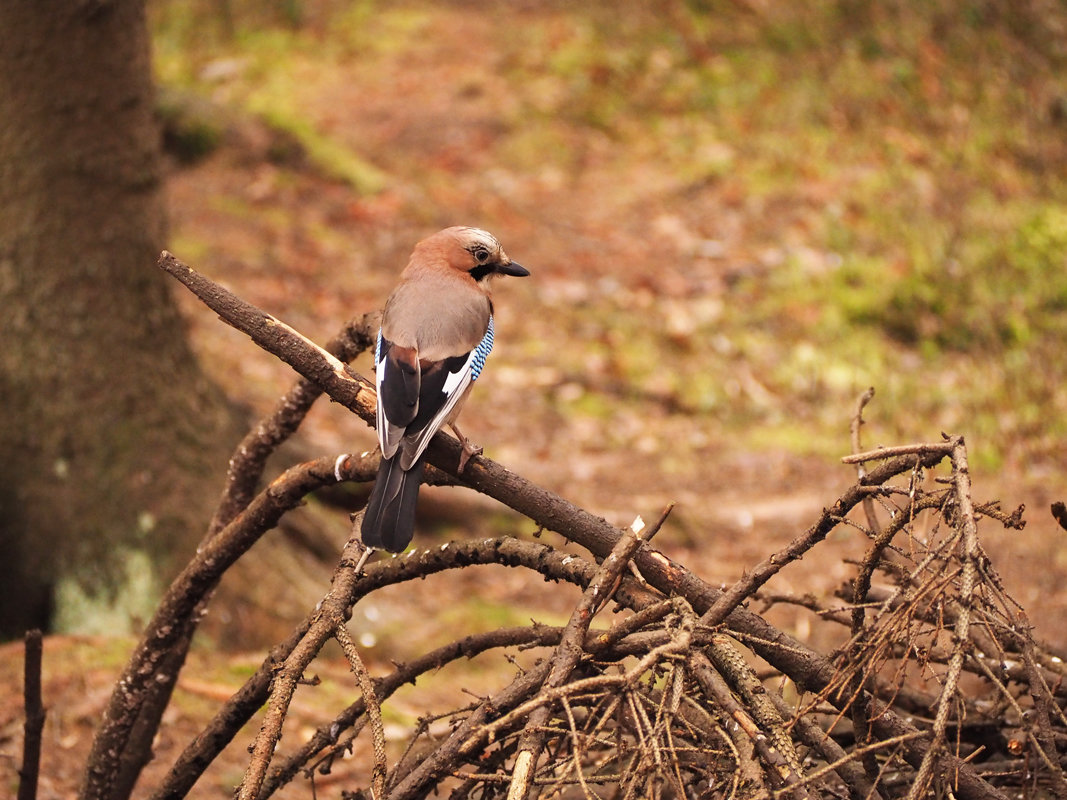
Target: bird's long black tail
x,y
389,522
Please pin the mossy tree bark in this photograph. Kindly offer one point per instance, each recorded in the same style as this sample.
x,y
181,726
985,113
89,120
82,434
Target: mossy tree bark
x,y
112,443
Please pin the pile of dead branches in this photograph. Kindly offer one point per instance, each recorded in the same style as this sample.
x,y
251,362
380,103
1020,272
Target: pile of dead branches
x,y
659,685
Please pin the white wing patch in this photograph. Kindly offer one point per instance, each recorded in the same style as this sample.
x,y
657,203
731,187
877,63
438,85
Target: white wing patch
x,y
454,379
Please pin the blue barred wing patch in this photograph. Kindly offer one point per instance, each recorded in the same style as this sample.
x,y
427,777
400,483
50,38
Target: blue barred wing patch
x,y
482,351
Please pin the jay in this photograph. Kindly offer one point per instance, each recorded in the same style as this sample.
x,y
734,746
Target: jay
x,y
437,330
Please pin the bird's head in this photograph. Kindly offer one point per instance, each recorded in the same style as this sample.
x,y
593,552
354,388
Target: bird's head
x,y
473,251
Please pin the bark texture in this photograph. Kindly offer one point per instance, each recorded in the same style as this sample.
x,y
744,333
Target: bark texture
x,y
109,436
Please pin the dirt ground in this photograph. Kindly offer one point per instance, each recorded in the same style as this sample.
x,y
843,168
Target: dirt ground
x,y
314,253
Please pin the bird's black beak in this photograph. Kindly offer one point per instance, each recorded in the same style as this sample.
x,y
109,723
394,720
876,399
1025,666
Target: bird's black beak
x,y
513,268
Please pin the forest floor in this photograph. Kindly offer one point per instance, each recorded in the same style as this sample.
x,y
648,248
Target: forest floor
x,y
654,356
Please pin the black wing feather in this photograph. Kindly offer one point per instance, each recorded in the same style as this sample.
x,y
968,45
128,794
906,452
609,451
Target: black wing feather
x,y
432,395
401,385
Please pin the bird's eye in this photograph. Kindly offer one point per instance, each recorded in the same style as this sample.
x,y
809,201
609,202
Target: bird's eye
x,y
481,254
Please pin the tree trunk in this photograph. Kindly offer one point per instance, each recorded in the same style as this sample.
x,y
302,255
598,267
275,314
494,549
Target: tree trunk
x,y
112,444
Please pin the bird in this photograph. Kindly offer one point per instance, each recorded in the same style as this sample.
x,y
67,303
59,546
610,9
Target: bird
x,y
436,333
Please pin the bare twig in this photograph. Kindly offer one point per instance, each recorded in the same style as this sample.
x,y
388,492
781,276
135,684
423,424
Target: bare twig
x,y
1047,709
370,703
325,742
861,470
35,715
753,579
332,612
718,692
837,760
859,642
731,664
969,557
920,449
844,760
469,734
569,652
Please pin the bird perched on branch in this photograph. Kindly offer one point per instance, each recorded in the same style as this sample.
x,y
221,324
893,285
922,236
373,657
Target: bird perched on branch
x,y
437,330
